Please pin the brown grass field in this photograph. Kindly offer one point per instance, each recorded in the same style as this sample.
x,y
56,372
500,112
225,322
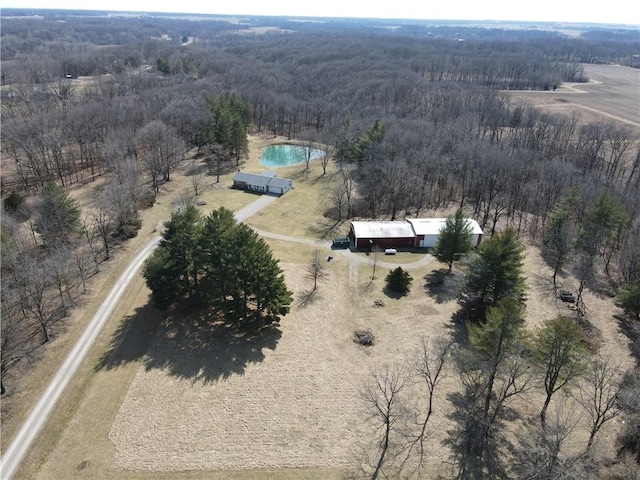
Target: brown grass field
x,y
613,92
157,401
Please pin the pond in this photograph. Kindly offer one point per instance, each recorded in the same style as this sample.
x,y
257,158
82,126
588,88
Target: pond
x,y
284,155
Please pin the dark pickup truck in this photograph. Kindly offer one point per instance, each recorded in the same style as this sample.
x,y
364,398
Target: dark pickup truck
x,y
341,242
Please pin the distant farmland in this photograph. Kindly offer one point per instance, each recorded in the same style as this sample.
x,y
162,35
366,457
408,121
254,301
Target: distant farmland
x,y
613,91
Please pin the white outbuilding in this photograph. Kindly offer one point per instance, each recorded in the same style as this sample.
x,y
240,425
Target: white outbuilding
x,y
427,231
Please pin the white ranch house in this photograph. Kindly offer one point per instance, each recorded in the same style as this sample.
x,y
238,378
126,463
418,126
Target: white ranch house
x,y
265,182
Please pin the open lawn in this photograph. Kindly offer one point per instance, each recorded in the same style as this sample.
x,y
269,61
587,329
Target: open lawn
x,y
178,396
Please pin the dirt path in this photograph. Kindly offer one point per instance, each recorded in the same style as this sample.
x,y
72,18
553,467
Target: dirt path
x,y
31,428
38,416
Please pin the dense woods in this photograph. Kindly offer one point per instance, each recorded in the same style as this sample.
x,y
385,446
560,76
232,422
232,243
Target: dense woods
x,y
416,120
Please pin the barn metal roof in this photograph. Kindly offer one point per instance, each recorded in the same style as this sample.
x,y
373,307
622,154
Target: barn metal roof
x,y
432,226
405,229
396,229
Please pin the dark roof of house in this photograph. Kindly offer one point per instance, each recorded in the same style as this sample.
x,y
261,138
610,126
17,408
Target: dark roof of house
x,y
257,179
279,182
262,179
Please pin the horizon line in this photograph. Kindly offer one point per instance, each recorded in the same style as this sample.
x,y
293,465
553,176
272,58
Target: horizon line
x,y
324,17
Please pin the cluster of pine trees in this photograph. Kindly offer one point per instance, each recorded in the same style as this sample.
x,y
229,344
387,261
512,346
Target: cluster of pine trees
x,y
218,262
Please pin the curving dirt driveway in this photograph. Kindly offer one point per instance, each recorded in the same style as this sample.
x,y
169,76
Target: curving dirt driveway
x,y
38,416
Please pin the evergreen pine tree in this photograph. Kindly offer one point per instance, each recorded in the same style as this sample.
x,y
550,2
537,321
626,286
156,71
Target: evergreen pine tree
x,y
454,239
57,215
399,281
629,299
494,274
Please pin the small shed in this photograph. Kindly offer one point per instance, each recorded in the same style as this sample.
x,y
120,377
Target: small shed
x,y
394,234
427,231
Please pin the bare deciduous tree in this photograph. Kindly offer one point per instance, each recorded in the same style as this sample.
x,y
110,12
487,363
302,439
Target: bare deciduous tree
x,y
103,220
598,395
540,452
83,259
382,396
13,334
37,286
349,188
307,152
197,174
329,152
335,199
316,269
89,231
429,363
160,149
58,266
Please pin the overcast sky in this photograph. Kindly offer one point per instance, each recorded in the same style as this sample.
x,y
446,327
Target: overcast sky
x,y
609,11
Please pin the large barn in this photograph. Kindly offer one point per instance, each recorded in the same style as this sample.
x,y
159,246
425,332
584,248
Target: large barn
x,y
265,182
412,233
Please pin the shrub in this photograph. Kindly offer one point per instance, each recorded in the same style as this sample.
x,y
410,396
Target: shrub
x,y
399,281
16,206
13,202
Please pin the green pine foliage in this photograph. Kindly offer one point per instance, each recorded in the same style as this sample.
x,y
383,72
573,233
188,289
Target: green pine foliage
x,y
560,233
225,264
602,226
13,202
494,370
399,281
454,239
181,238
229,117
358,148
560,349
160,278
629,299
494,274
57,215
503,329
